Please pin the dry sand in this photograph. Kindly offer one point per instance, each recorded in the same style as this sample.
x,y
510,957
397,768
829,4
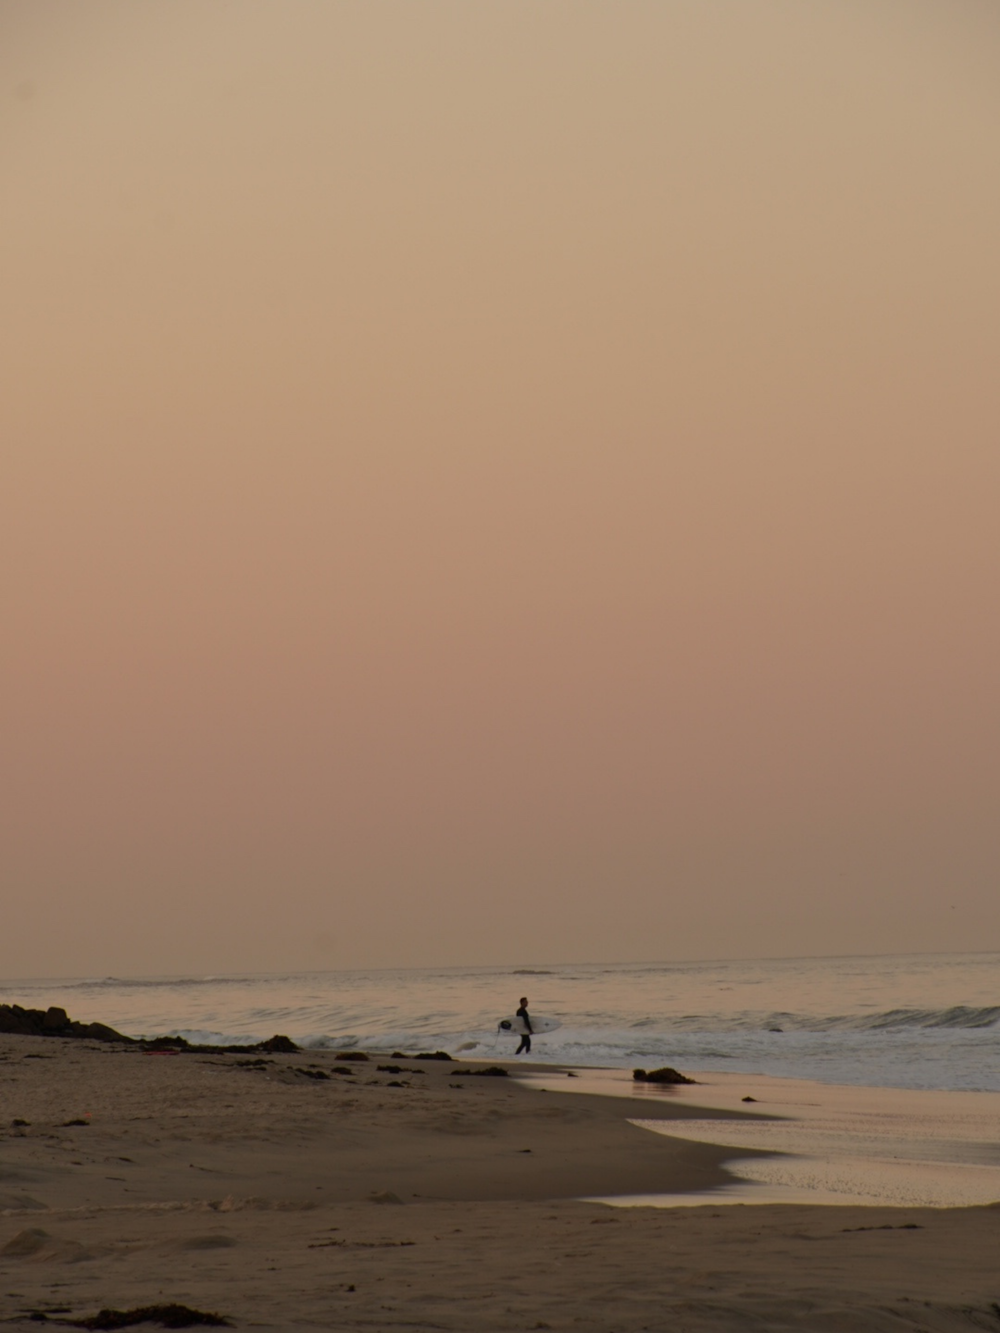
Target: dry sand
x,y
269,1196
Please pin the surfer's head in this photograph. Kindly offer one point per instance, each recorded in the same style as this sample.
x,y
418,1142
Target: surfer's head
x,y
524,999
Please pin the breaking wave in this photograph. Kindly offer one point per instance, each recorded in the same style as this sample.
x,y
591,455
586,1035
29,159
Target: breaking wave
x,y
157,983
958,1016
844,1020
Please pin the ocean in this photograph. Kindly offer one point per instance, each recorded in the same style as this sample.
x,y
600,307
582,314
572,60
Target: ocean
x,y
929,1021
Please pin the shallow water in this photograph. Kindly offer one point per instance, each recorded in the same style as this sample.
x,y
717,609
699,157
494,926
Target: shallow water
x,y
918,1021
831,1145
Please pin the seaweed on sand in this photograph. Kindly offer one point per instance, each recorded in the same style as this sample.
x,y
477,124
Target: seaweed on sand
x,y
167,1316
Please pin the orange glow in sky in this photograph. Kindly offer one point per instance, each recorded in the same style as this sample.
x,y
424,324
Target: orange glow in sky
x,y
497,482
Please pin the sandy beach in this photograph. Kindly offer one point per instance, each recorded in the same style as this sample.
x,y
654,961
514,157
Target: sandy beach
x,y
421,1197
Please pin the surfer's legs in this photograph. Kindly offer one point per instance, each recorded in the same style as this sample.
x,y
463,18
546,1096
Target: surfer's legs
x,y
525,1045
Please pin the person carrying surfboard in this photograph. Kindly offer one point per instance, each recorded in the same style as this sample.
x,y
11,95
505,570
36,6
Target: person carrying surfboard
x,y
522,1014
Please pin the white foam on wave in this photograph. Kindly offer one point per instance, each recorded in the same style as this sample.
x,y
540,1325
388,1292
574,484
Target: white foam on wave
x,y
920,1021
202,1037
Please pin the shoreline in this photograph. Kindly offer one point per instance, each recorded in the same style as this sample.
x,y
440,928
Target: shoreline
x,y
283,1193
419,1128
743,1138
928,1021
825,1143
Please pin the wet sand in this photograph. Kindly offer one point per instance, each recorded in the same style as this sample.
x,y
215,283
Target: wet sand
x,y
826,1143
287,1201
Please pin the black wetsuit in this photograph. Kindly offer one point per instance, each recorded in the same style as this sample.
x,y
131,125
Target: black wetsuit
x,y
525,1036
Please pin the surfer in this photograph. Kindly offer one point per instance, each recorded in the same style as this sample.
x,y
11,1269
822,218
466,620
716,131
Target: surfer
x,y
522,1014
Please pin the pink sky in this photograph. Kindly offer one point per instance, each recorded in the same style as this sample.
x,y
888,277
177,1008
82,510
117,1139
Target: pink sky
x,y
497,482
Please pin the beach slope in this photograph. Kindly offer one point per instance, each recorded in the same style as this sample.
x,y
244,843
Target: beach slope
x,y
286,1193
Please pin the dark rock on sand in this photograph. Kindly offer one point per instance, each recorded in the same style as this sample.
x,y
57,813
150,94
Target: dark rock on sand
x,y
277,1043
424,1055
493,1071
664,1075
351,1055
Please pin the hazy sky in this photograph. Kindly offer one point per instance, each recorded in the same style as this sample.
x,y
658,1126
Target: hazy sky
x,y
489,480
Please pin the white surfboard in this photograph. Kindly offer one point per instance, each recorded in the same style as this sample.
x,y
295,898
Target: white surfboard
x,y
515,1026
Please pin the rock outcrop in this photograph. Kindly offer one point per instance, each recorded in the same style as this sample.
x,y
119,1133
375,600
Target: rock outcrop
x,y
55,1022
664,1075
52,1022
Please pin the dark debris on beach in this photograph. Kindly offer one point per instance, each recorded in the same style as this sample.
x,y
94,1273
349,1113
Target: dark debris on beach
x,y
664,1075
167,1316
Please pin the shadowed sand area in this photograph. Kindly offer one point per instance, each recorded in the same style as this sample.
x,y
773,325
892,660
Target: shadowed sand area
x,y
285,1200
